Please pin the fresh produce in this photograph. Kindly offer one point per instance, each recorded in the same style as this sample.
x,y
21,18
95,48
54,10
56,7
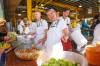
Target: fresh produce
x,y
1,44
5,45
59,62
73,24
12,35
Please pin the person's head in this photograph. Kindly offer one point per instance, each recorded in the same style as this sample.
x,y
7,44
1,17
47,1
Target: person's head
x,y
37,15
66,13
52,14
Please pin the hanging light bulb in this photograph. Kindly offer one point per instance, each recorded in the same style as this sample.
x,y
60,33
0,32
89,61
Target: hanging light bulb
x,y
80,5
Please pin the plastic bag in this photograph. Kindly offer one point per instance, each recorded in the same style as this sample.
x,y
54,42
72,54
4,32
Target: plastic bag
x,y
78,38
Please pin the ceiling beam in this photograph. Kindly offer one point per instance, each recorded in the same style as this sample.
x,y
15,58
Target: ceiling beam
x,y
59,4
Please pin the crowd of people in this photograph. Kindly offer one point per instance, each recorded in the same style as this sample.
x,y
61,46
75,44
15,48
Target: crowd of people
x,y
56,37
63,34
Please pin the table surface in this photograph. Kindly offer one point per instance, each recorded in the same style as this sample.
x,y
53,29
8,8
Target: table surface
x,y
12,60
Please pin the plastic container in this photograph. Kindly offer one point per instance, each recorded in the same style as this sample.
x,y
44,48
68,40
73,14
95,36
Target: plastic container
x,y
93,54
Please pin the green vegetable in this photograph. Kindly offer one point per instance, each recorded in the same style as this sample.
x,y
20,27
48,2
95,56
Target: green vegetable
x,y
1,44
59,62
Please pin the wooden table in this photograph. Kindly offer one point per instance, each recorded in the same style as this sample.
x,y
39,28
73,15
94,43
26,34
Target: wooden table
x,y
12,60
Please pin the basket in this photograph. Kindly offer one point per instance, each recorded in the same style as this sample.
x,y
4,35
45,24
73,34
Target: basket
x,y
27,54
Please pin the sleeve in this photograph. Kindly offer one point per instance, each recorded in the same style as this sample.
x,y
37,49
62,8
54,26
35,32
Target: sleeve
x,y
62,25
45,24
97,31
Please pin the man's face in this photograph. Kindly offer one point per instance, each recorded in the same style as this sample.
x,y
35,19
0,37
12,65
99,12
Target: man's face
x,y
66,13
51,15
37,15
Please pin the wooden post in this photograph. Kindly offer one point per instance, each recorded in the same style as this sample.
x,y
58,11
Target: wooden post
x,y
29,10
76,16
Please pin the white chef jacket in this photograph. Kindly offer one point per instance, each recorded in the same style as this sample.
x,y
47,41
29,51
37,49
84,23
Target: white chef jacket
x,y
53,43
20,27
67,20
96,34
41,26
32,27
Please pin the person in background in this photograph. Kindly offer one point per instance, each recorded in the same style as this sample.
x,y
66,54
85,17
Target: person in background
x,y
41,30
95,22
96,33
85,28
32,28
3,33
9,26
3,29
65,17
58,30
67,45
20,26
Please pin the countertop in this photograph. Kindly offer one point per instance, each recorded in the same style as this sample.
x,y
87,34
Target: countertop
x,y
12,60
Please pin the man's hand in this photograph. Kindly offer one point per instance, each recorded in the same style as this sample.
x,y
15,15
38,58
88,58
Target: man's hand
x,y
64,39
65,35
41,41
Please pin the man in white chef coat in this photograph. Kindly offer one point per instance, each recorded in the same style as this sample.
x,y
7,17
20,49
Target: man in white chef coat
x,y
96,34
41,30
57,30
65,17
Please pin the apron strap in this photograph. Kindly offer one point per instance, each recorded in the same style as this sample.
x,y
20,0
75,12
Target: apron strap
x,y
55,24
39,23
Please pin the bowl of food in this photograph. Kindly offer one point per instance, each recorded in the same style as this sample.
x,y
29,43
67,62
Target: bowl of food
x,y
27,54
65,58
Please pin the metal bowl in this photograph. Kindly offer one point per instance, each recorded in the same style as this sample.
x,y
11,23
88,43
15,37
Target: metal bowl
x,y
70,56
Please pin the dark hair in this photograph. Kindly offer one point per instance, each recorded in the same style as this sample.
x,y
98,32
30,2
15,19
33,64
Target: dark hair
x,y
64,10
96,17
51,9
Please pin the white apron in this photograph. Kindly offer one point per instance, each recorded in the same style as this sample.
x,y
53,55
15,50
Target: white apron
x,y
53,44
40,33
